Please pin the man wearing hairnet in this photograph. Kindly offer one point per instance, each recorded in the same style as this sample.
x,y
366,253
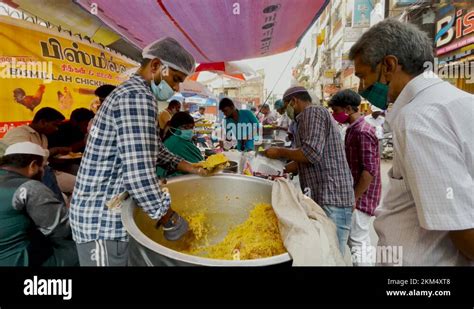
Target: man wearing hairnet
x,y
120,159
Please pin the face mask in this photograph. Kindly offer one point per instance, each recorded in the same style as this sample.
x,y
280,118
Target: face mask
x,y
290,111
377,94
184,134
163,91
341,117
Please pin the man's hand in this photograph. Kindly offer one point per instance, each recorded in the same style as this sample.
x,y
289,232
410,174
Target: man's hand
x,y
273,153
354,207
291,167
174,226
192,168
464,241
201,171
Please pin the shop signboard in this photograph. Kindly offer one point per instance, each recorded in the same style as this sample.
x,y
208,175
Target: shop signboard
x,y
454,27
330,73
41,67
361,13
352,34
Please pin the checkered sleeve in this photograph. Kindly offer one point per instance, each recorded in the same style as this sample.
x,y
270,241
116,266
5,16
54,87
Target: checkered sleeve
x,y
139,148
165,157
369,151
313,141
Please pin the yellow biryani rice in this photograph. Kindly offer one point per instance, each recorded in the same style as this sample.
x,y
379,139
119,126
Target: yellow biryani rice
x,y
214,160
258,237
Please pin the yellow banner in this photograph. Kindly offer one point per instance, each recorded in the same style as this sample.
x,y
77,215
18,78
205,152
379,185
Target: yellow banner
x,y
40,67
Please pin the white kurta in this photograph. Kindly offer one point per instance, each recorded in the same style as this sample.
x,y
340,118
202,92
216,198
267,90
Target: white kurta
x,y
377,123
432,179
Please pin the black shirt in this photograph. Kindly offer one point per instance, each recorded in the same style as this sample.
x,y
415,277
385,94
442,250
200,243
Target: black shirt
x,y
66,136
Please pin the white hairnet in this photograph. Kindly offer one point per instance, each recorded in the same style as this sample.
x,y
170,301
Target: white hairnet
x,y
171,53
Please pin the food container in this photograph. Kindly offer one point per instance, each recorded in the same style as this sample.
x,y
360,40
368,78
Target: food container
x,y
228,196
267,143
232,168
277,143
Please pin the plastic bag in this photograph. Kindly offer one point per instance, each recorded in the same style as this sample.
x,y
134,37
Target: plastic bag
x,y
264,165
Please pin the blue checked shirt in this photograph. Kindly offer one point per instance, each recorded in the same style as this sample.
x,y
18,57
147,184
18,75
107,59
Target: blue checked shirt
x,y
122,152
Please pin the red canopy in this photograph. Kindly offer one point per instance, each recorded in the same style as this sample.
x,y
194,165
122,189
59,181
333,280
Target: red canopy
x,y
212,30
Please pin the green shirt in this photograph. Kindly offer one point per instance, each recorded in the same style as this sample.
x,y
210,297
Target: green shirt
x,y
27,207
182,148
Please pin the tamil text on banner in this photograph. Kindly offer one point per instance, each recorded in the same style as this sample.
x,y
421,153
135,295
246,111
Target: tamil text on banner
x,y
41,67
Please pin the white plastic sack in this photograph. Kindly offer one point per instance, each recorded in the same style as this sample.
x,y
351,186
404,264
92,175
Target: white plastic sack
x,y
264,165
308,234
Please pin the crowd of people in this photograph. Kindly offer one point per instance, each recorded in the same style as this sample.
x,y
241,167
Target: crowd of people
x,y
51,217
433,152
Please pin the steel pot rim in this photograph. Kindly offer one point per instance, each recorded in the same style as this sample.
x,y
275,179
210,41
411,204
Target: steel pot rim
x,y
134,232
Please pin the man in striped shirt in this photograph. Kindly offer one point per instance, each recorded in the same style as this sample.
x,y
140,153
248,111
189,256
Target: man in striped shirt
x,y
362,154
122,152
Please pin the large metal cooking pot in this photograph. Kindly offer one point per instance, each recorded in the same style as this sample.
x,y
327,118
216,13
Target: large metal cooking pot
x,y
229,197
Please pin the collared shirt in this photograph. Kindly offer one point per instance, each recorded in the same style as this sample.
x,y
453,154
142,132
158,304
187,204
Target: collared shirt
x,y
327,175
283,122
270,118
182,148
432,178
244,130
342,127
362,151
377,123
25,133
292,129
122,152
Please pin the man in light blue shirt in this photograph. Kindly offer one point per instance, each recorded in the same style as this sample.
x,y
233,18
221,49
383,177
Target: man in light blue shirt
x,y
239,124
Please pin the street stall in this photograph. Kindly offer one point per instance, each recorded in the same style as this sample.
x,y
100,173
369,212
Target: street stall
x,y
51,69
233,215
232,222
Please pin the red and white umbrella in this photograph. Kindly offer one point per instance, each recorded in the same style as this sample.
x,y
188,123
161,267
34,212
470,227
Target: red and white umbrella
x,y
190,86
231,69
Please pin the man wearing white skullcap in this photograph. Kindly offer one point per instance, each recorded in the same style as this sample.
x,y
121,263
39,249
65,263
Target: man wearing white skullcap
x,y
34,223
121,156
320,159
